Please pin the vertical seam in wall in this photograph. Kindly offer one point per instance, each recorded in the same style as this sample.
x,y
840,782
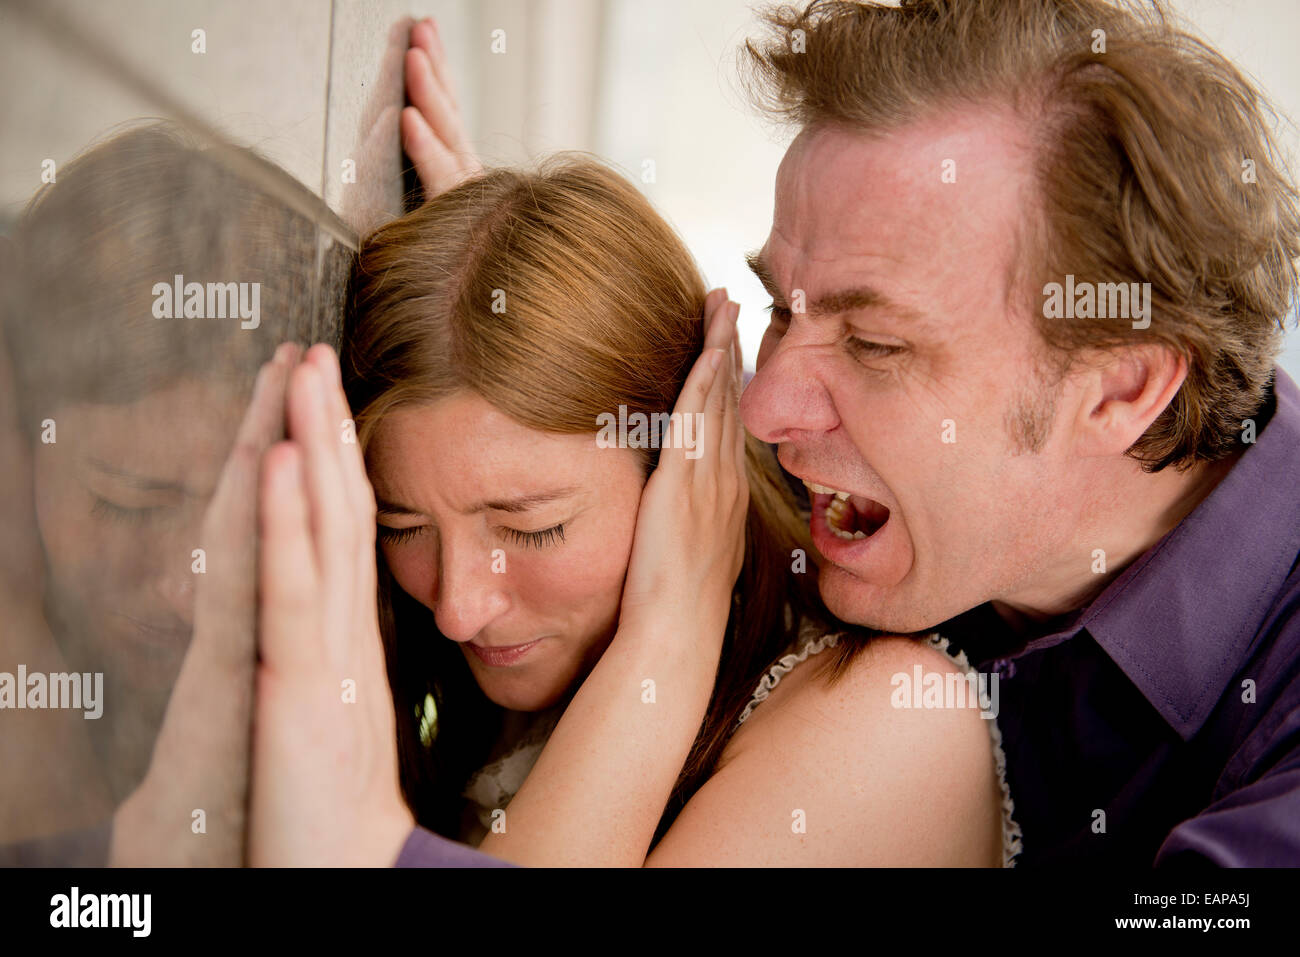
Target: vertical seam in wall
x,y
601,59
318,285
530,94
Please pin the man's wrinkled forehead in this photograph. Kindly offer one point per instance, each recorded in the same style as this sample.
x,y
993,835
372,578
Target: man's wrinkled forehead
x,y
954,186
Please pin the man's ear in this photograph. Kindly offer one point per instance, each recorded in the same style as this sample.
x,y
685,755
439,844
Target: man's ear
x,y
1123,393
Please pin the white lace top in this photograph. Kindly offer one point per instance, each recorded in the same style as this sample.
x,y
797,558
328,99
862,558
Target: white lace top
x,y
492,787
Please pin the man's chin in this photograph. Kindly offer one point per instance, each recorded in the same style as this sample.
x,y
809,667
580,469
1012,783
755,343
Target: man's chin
x,y
858,602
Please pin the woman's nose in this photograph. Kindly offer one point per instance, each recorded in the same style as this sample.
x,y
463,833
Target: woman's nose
x,y
470,596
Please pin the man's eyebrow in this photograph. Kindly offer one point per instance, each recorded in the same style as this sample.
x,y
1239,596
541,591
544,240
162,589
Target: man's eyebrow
x,y
144,482
520,503
839,302
759,267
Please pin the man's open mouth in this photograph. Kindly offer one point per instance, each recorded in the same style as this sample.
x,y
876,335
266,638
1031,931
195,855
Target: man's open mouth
x,y
848,516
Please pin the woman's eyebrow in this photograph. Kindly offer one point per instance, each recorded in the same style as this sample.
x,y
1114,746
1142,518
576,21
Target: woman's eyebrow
x,y
522,503
519,503
392,508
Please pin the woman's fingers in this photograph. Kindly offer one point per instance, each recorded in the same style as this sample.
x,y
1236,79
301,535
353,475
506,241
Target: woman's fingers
x,y
693,400
351,461
433,134
425,36
360,495
717,334
737,425
438,167
428,96
353,632
314,432
434,164
288,580
230,522
712,301
713,433
675,452
732,432
263,420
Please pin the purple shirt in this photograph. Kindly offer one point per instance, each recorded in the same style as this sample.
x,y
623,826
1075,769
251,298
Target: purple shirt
x,y
426,849
1161,723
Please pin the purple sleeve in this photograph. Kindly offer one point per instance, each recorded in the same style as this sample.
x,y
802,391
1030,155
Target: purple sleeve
x,y
1255,826
426,849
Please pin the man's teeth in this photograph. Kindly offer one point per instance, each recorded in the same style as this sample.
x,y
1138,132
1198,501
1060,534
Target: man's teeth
x,y
838,511
823,490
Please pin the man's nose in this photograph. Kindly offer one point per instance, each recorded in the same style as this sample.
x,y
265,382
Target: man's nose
x,y
785,400
470,594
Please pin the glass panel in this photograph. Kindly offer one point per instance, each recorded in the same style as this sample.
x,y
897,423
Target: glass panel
x,y
144,284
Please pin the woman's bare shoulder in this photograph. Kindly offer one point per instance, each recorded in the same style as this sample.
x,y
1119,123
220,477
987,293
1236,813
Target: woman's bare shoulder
x,y
868,689
884,783
875,690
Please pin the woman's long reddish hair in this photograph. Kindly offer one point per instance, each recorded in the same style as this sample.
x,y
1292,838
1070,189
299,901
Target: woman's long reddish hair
x,y
604,307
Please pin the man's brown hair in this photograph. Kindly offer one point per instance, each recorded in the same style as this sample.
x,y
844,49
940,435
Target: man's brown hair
x,y
1154,155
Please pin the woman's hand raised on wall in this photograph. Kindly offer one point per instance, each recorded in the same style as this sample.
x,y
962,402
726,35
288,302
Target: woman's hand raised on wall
x,y
325,787
201,757
433,133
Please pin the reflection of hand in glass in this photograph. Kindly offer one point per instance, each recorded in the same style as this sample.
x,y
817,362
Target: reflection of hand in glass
x,y
433,133
324,782
208,715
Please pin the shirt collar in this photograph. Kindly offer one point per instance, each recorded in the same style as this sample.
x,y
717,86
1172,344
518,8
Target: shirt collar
x,y
1180,619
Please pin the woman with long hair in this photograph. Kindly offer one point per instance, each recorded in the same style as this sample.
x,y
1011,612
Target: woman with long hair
x,y
591,615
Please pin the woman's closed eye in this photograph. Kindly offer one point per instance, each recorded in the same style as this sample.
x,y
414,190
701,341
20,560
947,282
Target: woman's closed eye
x,y
537,539
396,536
524,539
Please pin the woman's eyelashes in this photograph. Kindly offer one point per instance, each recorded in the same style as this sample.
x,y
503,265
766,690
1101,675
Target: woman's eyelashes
x,y
537,539
396,536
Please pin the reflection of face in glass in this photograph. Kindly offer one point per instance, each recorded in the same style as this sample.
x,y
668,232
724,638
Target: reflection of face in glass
x,y
520,539
145,406
120,499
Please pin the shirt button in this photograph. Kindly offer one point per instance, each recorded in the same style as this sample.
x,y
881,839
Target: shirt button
x,y
1005,667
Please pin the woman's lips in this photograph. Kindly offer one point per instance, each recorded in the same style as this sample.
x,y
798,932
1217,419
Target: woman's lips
x,y
503,657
